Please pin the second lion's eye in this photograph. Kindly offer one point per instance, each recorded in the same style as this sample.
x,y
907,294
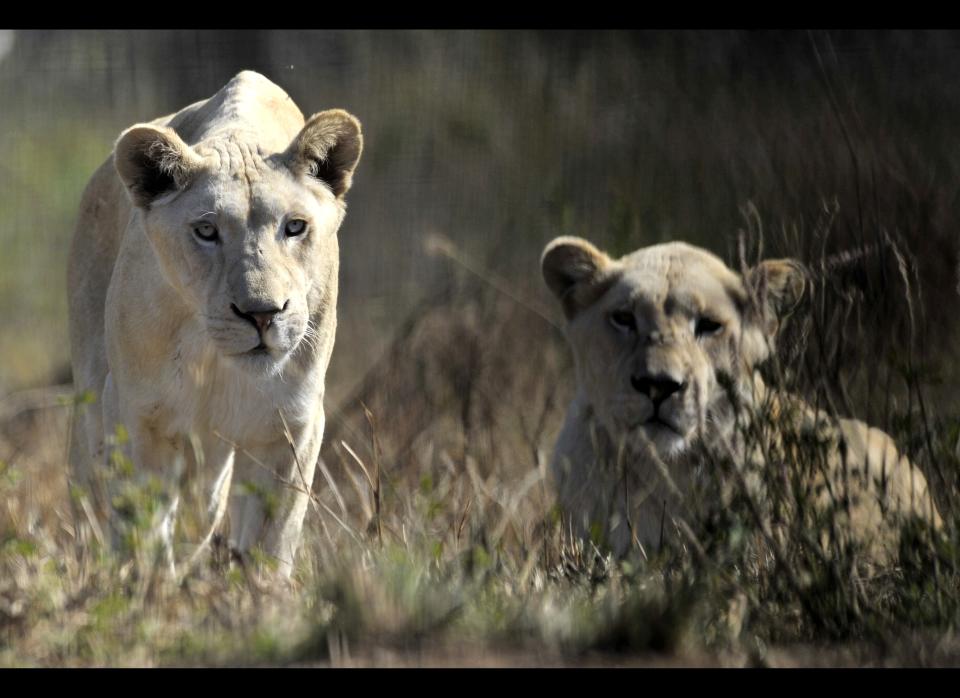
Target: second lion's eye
x,y
705,326
295,227
623,320
207,232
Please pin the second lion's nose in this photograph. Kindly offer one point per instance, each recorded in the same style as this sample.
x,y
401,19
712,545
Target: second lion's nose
x,y
657,388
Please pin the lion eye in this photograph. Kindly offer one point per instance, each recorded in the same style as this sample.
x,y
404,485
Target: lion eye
x,y
623,320
295,227
705,326
206,232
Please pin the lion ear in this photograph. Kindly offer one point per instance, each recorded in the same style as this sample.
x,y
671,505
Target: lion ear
x,y
152,161
574,270
778,285
328,148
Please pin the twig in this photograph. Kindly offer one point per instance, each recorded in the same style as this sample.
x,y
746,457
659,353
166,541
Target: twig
x,y
376,464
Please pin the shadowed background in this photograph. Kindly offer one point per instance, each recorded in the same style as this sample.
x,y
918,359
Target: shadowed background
x,y
499,141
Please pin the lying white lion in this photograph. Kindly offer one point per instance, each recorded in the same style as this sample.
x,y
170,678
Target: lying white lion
x,y
203,292
665,341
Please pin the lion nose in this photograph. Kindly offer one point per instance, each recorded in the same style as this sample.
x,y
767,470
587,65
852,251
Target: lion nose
x,y
657,388
259,317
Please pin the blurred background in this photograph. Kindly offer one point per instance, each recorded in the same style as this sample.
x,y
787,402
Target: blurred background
x,y
481,146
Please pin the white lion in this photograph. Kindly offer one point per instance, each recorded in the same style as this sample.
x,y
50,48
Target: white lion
x,y
203,290
666,340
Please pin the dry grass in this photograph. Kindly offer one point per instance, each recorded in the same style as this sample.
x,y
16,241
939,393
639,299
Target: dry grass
x,y
433,539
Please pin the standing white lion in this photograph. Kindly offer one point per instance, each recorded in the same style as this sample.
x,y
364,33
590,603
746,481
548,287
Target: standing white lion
x,y
203,291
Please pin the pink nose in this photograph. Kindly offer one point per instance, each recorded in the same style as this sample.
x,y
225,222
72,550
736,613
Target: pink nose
x,y
261,318
264,319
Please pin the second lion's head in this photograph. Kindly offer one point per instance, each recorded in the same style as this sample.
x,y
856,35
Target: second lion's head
x,y
664,337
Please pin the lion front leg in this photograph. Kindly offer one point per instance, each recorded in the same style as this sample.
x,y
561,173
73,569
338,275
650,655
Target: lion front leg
x,y
271,492
146,464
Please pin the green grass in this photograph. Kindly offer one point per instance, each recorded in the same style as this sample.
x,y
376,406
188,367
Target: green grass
x,y
45,167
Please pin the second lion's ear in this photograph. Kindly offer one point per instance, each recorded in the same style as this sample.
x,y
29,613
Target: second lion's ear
x,y
328,148
575,271
153,161
779,285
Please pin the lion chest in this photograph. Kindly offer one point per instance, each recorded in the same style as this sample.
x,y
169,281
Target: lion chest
x,y
202,393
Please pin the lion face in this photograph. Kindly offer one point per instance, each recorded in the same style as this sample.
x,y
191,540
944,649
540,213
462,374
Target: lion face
x,y
247,238
666,338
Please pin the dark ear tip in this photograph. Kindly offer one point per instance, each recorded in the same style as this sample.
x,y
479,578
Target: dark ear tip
x,y
339,120
788,283
568,260
140,135
130,140
552,257
328,148
137,132
349,119
798,283
566,245
151,160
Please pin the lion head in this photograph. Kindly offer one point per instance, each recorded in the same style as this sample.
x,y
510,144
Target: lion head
x,y
244,227
666,338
